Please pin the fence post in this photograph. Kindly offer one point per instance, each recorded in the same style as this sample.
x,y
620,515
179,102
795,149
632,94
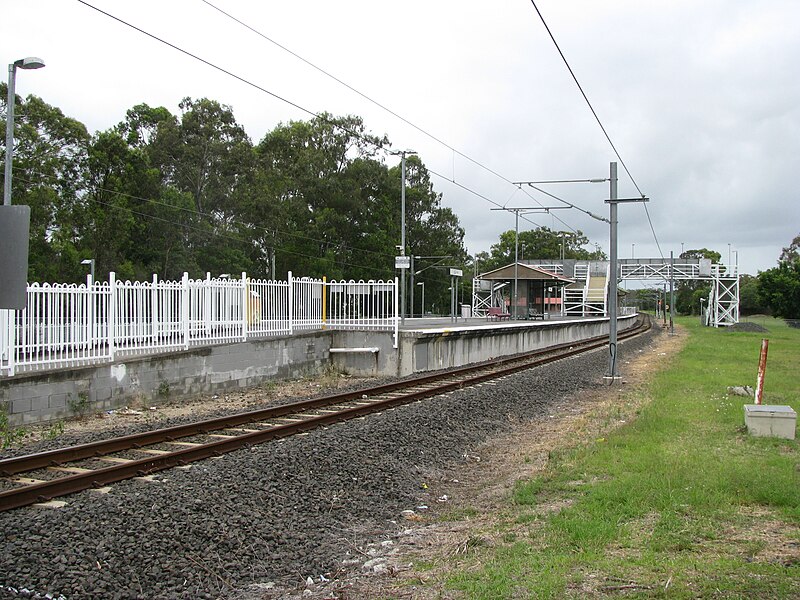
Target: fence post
x,y
245,306
185,309
111,311
396,318
324,299
154,327
291,303
207,304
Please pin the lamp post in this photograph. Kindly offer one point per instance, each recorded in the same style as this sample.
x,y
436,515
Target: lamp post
x,y
30,62
422,283
402,154
90,262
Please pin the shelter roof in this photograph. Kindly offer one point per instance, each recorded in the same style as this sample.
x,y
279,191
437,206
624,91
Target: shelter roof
x,y
524,272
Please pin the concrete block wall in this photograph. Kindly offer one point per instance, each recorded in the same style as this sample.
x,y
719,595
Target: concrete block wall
x,y
50,395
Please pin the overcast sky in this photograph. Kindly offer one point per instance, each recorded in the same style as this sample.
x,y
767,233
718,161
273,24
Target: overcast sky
x,y
701,99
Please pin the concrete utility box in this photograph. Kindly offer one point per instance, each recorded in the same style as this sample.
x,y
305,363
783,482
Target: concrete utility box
x,y
770,421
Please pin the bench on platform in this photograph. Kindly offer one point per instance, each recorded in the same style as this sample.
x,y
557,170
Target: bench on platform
x,y
495,313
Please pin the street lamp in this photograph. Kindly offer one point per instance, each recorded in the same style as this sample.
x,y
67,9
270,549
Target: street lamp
x,y
31,62
90,262
422,283
402,154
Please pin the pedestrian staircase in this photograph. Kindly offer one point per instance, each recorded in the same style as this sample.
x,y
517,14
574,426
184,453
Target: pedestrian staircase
x,y
588,299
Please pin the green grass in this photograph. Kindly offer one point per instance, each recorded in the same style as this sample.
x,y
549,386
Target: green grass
x,y
678,503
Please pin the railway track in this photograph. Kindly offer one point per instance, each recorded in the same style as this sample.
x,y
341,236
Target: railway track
x,y
43,476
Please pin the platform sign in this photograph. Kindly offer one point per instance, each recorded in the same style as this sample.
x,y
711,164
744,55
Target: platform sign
x,y
456,273
402,262
14,228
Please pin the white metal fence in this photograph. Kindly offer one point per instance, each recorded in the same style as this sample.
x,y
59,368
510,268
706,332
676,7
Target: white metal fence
x,y
76,325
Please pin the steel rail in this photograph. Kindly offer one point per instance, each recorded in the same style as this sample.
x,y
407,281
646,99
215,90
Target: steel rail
x,y
47,490
30,462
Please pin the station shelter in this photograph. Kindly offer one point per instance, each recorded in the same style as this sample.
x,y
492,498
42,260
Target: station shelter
x,y
538,290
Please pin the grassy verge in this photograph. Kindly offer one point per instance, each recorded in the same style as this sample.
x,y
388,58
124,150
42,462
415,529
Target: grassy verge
x,y
678,503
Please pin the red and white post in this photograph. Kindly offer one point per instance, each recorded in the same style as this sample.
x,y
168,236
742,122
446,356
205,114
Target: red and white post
x,y
762,368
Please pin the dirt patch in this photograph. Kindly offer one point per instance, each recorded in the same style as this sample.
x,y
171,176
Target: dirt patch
x,y
748,327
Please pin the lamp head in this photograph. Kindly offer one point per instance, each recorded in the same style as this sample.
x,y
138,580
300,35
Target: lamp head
x,y
87,261
29,62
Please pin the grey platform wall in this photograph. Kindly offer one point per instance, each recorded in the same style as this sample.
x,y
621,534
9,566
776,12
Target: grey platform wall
x,y
35,397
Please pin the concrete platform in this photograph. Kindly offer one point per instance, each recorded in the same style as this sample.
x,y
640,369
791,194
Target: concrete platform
x,y
423,345
440,324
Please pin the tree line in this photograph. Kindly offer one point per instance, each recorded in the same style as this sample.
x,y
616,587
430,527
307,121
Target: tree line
x,y
163,193
167,193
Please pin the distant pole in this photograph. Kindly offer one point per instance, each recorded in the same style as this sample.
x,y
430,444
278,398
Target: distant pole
x,y
403,237
403,290
516,259
671,292
411,287
613,371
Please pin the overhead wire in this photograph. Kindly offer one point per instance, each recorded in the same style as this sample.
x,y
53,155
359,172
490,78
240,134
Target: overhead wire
x,y
373,101
304,109
599,122
216,232
197,213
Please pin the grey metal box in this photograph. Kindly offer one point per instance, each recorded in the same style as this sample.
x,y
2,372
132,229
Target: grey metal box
x,y
764,420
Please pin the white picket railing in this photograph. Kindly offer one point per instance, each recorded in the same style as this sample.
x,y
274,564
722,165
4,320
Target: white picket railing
x,y
76,325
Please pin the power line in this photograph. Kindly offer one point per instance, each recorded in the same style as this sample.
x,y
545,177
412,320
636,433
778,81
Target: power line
x,y
599,122
362,94
381,106
308,111
210,216
216,232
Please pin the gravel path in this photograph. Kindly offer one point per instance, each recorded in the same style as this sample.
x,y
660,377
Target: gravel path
x,y
275,515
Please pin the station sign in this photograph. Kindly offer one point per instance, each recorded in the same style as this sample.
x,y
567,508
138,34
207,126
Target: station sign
x,y
402,262
456,273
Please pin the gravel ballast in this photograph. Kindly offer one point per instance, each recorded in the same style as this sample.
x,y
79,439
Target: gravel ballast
x,y
276,514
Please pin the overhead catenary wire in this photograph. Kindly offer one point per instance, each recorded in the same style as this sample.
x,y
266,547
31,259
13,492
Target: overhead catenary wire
x,y
310,112
197,213
387,109
599,122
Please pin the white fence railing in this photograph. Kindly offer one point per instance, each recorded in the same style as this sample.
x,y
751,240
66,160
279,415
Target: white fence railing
x,y
77,325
